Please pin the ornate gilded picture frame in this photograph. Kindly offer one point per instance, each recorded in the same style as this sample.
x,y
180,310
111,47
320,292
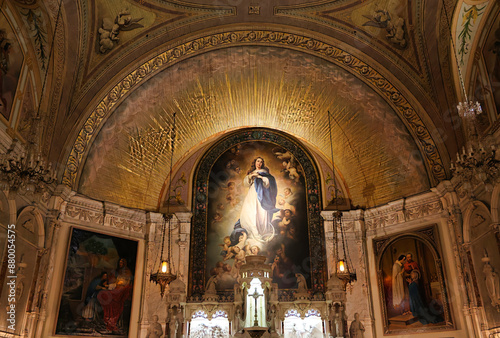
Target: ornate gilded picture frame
x,y
97,290
224,230
412,287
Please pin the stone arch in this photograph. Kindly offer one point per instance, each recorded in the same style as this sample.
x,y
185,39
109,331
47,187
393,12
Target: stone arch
x,y
7,210
495,204
477,220
30,225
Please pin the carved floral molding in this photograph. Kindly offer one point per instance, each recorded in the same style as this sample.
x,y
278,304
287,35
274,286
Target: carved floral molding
x,y
95,214
396,213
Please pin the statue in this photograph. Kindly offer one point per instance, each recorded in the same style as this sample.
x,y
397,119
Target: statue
x,y
173,324
179,322
301,283
492,281
271,318
357,329
155,330
394,26
210,287
338,325
237,319
238,298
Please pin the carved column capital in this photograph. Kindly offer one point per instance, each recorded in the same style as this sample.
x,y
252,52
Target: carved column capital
x,y
184,217
327,215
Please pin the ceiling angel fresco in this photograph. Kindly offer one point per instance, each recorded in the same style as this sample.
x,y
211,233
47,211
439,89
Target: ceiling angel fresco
x,y
253,86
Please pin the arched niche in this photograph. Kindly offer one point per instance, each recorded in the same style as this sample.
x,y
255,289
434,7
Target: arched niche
x,y
201,325
23,244
481,235
7,216
495,204
477,221
213,201
307,323
426,301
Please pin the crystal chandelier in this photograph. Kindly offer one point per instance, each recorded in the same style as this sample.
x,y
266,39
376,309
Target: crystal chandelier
x,y
469,109
26,172
343,269
477,163
164,275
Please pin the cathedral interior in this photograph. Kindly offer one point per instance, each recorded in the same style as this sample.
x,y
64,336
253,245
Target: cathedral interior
x,y
249,168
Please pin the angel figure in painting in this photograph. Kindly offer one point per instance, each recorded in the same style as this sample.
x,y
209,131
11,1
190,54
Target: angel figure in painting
x,y
259,205
398,290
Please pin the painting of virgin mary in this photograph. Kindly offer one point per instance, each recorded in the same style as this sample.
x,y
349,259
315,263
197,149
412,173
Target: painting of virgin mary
x,y
259,210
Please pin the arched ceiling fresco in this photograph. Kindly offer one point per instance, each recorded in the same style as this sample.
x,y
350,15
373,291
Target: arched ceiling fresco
x,y
254,86
230,64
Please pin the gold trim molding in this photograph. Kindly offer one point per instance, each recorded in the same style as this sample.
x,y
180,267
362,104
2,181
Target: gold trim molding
x,y
298,42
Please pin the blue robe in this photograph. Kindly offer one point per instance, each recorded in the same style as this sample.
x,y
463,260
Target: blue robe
x,y
258,209
418,308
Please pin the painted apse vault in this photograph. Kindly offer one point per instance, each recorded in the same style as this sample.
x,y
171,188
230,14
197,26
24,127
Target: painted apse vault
x,y
256,206
277,88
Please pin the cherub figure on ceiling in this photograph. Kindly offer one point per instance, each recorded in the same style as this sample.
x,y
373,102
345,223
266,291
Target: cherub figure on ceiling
x,y
110,29
394,25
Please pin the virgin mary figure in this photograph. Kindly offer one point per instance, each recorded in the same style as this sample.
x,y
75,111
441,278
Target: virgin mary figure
x,y
259,205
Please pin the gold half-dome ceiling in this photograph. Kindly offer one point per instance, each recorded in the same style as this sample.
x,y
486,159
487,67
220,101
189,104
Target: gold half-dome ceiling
x,y
252,86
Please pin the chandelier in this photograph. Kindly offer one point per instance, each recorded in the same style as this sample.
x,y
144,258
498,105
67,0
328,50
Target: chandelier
x,y
164,275
343,269
477,163
469,109
26,172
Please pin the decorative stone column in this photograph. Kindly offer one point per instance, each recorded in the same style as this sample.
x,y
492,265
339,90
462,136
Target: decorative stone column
x,y
151,303
47,265
336,300
183,240
362,271
331,260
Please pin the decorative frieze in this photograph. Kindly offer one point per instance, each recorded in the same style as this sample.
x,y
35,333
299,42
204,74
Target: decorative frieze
x,y
403,211
82,210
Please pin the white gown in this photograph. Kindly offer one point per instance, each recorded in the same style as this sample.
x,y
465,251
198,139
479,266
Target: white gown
x,y
398,291
253,218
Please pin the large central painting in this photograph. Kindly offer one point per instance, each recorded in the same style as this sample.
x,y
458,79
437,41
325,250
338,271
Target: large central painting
x,y
256,207
256,194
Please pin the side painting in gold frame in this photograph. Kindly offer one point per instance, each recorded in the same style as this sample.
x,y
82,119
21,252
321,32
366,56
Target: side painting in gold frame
x,y
411,282
96,297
